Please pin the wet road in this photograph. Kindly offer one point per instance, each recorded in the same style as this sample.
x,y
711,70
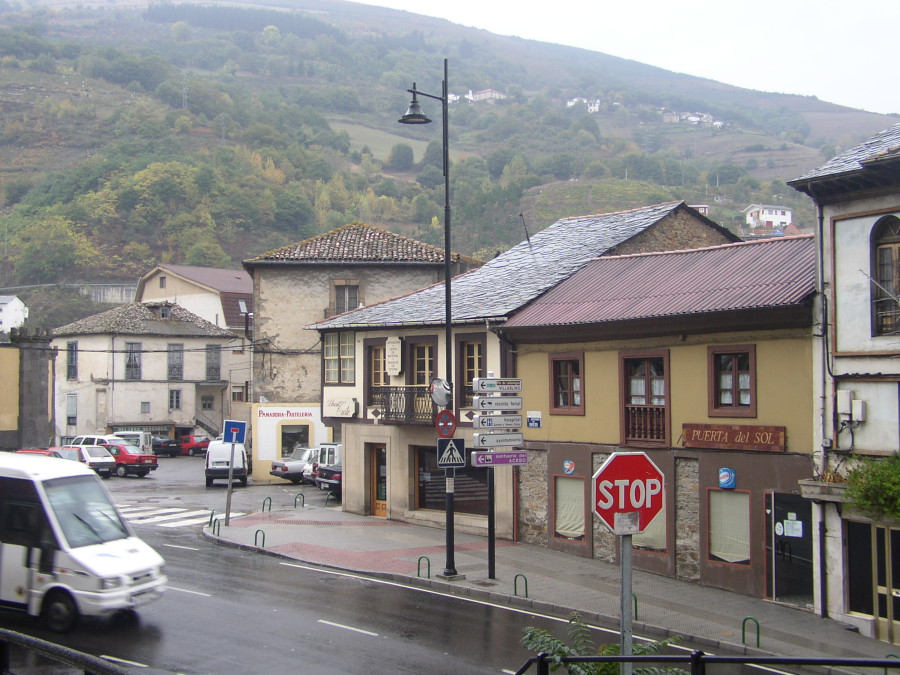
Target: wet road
x,y
236,611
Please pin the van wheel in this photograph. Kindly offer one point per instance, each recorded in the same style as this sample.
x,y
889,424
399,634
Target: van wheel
x,y
121,471
60,613
209,482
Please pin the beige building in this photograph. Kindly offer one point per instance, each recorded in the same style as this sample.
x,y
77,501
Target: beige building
x,y
224,298
141,367
297,285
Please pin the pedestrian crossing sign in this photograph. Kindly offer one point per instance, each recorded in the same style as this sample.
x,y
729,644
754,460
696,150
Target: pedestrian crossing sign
x,y
451,453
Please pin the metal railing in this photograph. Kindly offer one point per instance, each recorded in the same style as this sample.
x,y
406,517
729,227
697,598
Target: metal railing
x,y
11,643
403,404
697,661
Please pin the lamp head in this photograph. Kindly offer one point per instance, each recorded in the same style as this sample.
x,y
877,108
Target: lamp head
x,y
414,114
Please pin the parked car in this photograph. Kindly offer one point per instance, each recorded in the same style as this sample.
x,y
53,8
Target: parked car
x,y
163,445
94,439
95,456
141,439
218,462
193,445
292,467
46,452
329,478
131,460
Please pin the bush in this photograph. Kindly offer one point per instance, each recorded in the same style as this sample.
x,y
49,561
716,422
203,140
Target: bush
x,y
873,487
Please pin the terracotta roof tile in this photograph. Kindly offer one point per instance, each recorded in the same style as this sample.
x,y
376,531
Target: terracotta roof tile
x,y
137,318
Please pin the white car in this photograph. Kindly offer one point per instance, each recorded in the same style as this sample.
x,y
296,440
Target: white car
x,y
95,457
295,467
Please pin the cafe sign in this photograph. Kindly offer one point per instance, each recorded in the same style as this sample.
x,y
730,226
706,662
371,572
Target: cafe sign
x,y
734,437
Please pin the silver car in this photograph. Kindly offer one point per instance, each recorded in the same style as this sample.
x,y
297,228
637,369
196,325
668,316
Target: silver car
x,y
296,467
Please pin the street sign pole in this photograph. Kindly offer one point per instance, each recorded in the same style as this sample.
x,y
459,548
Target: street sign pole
x,y
236,432
491,527
450,566
625,611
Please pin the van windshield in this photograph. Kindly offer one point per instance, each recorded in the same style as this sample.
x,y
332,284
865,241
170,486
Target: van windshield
x,y
84,511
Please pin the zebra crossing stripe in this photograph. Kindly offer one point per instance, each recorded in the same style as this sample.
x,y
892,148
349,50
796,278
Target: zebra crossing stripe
x,y
159,513
180,515
195,521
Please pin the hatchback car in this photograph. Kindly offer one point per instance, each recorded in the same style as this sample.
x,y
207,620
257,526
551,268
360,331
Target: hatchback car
x,y
46,452
95,456
130,460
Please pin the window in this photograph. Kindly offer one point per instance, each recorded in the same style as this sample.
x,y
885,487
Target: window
x,y
213,362
346,297
645,413
567,384
71,409
175,362
423,363
162,282
340,362
732,381
239,349
132,360
165,312
174,399
376,374
471,366
72,360
886,277
729,526
237,394
207,402
470,485
145,407
569,508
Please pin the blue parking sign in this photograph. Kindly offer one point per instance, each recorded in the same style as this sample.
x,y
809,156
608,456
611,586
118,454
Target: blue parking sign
x,y
234,431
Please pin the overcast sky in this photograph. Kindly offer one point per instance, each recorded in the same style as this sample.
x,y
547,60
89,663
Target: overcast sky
x,y
842,51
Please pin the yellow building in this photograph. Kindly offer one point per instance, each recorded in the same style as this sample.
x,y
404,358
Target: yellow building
x,y
702,360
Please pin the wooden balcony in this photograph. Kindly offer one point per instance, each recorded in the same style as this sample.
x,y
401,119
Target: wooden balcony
x,y
645,423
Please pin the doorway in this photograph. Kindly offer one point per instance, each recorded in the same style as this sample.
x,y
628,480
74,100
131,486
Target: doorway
x,y
873,565
379,481
789,549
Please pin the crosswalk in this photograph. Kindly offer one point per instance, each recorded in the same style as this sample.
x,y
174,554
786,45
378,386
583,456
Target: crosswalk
x,y
166,517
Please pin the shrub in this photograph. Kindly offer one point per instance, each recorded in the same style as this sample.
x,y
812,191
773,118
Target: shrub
x,y
873,487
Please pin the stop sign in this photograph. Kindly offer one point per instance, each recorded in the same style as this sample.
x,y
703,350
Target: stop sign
x,y
628,492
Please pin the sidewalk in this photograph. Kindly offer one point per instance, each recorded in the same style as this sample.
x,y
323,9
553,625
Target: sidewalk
x,y
555,583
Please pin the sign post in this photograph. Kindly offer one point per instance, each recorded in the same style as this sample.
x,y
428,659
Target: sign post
x,y
233,432
628,493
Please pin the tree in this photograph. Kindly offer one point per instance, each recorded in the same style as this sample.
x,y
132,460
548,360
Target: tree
x,y
51,249
430,177
402,158
294,212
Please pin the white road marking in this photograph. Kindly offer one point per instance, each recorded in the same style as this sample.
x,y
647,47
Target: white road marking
x,y
195,521
355,630
184,590
185,548
142,517
125,661
172,516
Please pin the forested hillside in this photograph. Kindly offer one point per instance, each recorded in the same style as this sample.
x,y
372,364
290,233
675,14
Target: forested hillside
x,y
205,135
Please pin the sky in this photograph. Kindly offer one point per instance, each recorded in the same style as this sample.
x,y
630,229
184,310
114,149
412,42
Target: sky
x,y
838,50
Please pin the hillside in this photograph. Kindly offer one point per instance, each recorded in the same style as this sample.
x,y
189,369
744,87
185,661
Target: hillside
x,y
207,135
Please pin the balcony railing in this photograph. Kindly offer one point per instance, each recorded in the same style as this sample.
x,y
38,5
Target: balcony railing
x,y
175,372
213,373
403,404
645,423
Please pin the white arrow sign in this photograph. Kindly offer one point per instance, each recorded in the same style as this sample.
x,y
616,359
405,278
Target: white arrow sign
x,y
497,421
488,385
497,403
497,440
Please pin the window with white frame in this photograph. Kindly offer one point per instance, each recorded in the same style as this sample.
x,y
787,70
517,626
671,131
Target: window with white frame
x,y
174,399
132,360
72,409
346,297
339,355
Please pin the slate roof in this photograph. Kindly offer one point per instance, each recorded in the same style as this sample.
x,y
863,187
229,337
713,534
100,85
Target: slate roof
x,y
767,273
355,243
138,318
513,278
853,160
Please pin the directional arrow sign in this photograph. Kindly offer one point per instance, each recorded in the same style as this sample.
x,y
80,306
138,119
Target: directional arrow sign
x,y
497,403
494,458
497,440
497,421
490,385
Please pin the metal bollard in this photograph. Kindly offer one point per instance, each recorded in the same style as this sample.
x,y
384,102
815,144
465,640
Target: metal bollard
x,y
256,538
302,498
269,500
419,566
744,628
516,584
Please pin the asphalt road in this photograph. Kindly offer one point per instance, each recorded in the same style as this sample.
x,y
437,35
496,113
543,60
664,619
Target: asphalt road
x,y
236,611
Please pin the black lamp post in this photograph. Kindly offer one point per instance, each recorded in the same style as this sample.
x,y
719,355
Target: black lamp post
x,y
414,115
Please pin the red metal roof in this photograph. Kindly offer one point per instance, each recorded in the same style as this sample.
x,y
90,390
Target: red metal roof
x,y
767,273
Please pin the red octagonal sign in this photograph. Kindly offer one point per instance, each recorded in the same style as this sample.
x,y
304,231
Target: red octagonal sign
x,y
628,492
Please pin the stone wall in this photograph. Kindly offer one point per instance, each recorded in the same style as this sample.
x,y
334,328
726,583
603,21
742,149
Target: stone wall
x,y
687,519
676,232
533,508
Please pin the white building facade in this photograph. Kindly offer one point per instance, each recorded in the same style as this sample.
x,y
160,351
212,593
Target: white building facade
x,y
13,312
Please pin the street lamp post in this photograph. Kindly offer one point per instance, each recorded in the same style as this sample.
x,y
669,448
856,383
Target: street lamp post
x,y
414,115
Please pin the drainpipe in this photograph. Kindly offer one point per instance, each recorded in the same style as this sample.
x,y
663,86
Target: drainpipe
x,y
825,392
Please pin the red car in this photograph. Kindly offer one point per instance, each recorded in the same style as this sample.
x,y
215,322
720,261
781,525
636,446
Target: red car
x,y
131,460
47,452
193,445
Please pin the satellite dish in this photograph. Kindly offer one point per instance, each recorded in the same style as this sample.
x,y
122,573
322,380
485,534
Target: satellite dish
x,y
441,392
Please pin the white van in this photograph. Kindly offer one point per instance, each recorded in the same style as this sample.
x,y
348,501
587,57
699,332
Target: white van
x,y
218,461
65,550
141,439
